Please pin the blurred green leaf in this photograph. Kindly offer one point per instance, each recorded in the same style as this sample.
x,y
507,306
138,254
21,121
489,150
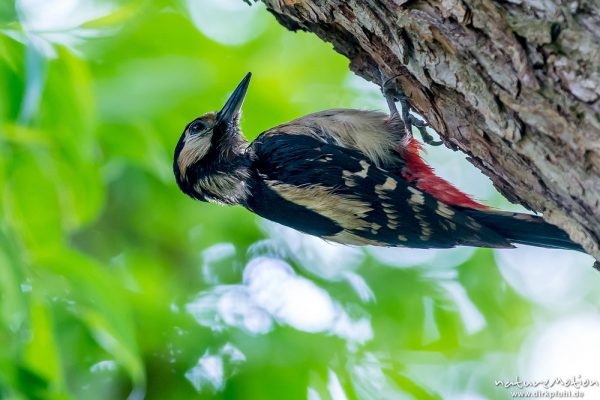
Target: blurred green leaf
x,y
41,356
14,307
117,17
102,306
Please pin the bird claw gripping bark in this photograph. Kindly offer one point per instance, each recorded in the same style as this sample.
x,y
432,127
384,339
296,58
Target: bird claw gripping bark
x,y
422,127
393,94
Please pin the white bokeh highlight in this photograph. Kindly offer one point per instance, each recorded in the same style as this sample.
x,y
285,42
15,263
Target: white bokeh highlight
x,y
230,306
472,319
554,278
47,23
216,258
312,394
212,369
329,261
292,300
565,348
271,293
431,332
209,17
370,382
336,391
104,366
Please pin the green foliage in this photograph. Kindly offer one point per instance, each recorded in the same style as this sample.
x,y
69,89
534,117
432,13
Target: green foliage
x,y
100,252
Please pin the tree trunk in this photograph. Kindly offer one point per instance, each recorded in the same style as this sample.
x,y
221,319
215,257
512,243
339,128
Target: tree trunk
x,y
514,84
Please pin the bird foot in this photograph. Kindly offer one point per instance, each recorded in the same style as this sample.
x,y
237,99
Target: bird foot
x,y
393,93
422,127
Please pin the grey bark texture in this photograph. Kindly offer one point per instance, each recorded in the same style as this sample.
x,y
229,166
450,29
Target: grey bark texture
x,y
514,84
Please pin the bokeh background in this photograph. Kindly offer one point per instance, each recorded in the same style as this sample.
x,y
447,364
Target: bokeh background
x,y
115,285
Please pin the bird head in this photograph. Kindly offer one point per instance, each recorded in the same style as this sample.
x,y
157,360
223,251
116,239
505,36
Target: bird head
x,y
208,162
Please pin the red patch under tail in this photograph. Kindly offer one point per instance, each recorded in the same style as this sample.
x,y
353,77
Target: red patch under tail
x,y
426,179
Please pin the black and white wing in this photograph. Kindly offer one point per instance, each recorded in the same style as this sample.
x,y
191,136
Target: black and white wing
x,y
340,195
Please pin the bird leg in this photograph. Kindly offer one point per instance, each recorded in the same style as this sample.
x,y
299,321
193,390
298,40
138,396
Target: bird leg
x,y
393,94
422,127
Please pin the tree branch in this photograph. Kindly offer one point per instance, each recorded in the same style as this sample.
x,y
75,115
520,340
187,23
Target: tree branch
x,y
513,84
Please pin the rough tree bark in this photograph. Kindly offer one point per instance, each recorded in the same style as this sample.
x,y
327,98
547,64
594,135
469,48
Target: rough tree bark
x,y
514,84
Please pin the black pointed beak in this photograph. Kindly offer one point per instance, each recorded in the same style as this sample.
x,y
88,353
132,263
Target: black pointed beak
x,y
231,109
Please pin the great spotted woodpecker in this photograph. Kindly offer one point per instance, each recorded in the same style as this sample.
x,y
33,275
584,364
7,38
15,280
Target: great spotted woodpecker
x,y
349,176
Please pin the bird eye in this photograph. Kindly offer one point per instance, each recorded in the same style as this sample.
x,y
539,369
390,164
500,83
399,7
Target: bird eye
x,y
197,126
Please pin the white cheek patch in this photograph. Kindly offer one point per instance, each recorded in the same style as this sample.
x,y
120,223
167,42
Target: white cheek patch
x,y
194,149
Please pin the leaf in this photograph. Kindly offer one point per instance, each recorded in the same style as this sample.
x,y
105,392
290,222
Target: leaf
x,y
31,205
116,17
41,353
14,308
100,303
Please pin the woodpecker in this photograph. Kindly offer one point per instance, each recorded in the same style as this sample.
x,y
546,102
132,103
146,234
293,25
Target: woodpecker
x,y
348,176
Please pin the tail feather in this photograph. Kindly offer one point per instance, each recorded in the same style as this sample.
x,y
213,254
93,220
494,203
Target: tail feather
x,y
526,229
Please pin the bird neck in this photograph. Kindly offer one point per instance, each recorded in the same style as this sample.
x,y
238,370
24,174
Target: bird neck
x,y
224,180
231,147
